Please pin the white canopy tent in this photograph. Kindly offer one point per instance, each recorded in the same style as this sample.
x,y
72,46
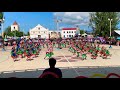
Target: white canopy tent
x,y
117,31
83,34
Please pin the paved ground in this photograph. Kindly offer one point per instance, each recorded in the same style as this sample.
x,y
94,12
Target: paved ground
x,y
64,59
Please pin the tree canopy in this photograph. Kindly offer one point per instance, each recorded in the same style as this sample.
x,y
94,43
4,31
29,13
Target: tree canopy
x,y
82,32
1,15
101,25
8,32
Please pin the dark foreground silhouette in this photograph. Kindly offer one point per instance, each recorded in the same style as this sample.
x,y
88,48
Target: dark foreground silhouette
x,y
52,72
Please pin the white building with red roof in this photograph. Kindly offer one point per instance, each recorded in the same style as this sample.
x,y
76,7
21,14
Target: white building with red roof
x,y
15,26
68,32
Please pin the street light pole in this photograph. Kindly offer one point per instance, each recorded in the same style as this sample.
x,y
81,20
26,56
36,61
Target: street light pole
x,y
57,27
110,31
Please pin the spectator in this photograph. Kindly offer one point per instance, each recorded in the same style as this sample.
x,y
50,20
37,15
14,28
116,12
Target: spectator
x,y
52,68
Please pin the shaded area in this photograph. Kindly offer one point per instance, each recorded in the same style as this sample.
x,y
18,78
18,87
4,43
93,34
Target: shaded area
x,y
67,72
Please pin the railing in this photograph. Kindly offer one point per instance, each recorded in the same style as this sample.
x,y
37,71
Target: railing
x,y
35,73
37,69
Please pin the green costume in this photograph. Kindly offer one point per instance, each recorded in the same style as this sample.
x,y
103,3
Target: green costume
x,y
54,45
71,49
34,52
98,48
63,45
107,52
48,55
19,52
80,48
78,54
74,51
51,53
94,54
84,56
90,51
11,53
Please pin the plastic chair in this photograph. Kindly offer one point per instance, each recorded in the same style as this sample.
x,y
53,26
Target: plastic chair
x,y
49,73
112,74
81,77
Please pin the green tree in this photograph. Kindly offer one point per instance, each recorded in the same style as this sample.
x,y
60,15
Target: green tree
x,y
17,33
101,25
28,34
7,31
1,15
82,32
20,34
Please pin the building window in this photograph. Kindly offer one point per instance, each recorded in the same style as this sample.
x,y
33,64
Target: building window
x,y
67,35
33,32
44,31
74,31
14,27
64,36
39,31
38,28
67,31
64,31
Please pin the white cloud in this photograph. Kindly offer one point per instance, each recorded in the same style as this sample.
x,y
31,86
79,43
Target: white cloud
x,y
73,18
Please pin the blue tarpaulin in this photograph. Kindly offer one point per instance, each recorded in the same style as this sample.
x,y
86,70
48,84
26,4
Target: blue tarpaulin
x,y
118,38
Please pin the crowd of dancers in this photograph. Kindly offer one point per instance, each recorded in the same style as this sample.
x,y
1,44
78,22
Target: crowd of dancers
x,y
83,49
31,48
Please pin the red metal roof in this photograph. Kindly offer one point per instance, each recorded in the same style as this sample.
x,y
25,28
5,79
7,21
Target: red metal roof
x,y
15,23
69,28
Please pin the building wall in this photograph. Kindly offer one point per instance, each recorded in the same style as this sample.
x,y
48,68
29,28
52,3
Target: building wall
x,y
14,27
55,34
35,34
67,33
39,31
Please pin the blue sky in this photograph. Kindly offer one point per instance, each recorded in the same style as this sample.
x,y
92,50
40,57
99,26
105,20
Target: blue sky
x,y
28,20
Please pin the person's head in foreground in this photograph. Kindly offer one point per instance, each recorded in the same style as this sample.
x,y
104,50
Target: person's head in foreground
x,y
52,72
52,62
